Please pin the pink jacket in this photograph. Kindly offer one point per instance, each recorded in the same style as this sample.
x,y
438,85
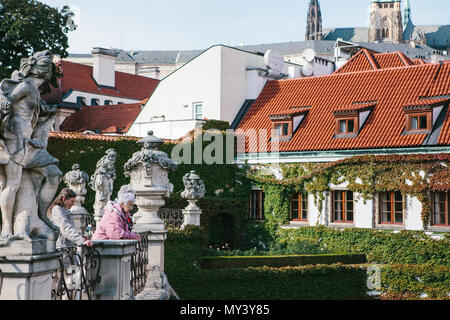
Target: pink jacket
x,y
113,225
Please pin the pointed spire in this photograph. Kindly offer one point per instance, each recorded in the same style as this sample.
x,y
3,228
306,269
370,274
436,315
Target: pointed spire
x,y
314,21
406,14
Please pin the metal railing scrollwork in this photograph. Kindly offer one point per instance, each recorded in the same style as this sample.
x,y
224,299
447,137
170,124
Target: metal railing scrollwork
x,y
173,218
87,224
77,275
139,262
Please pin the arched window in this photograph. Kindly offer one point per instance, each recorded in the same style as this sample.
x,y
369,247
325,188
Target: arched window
x,y
81,101
108,102
95,102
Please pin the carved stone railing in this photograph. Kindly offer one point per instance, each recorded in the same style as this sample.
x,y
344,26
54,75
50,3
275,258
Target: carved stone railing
x,y
139,262
78,274
173,218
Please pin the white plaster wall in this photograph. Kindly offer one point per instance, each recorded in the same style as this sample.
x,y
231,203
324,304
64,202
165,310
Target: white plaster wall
x,y
218,78
104,71
314,217
196,81
413,215
363,212
74,94
169,129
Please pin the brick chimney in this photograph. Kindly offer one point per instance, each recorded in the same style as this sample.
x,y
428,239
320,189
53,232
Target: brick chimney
x,y
104,71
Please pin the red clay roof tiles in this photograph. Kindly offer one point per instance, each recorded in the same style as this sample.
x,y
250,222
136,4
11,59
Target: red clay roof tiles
x,y
392,89
79,77
103,119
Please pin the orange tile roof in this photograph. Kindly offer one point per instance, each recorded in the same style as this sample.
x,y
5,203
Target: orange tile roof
x,y
81,136
103,119
392,89
366,60
79,77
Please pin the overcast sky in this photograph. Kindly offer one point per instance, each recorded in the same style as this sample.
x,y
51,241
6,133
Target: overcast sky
x,y
198,24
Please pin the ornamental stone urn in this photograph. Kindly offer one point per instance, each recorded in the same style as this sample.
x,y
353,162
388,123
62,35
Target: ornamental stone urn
x,y
148,170
76,180
194,191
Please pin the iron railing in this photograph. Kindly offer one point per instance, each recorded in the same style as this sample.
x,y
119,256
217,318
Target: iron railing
x,y
139,262
173,218
78,274
87,224
1,281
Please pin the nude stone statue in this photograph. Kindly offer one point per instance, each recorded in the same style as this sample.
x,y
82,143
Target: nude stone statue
x,y
26,121
102,182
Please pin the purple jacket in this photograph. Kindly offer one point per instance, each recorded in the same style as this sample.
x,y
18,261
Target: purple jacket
x,y
113,225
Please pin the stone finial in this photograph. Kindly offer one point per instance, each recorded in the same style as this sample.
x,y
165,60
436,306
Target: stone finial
x,y
76,176
194,187
149,155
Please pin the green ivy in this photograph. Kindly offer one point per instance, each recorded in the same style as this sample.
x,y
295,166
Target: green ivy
x,y
383,247
414,175
412,281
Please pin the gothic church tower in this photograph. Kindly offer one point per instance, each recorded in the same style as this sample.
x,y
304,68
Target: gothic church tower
x,y
314,22
386,24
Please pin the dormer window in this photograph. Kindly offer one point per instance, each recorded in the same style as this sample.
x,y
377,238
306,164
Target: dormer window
x,y
349,120
419,122
347,125
283,129
285,124
419,119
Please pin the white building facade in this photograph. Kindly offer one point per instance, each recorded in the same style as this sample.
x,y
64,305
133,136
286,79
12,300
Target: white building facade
x,y
214,85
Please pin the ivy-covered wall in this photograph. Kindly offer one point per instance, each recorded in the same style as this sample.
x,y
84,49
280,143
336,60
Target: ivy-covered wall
x,y
413,175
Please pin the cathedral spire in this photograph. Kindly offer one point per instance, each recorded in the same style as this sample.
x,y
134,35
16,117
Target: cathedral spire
x,y
314,21
406,14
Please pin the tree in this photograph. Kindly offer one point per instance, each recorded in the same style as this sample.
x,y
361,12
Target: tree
x,y
29,26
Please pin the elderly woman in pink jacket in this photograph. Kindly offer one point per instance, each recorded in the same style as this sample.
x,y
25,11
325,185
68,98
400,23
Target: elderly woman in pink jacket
x,y
116,222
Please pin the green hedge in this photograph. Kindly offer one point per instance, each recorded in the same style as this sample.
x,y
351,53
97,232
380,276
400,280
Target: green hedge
x,y
183,252
411,281
383,247
87,153
224,219
335,282
182,267
280,261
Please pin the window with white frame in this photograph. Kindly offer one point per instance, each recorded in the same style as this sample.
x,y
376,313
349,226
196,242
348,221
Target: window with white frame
x,y
198,111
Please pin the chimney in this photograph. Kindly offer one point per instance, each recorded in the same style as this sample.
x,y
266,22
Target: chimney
x,y
104,71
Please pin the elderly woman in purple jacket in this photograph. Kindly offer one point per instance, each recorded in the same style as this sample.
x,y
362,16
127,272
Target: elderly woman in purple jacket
x,y
116,221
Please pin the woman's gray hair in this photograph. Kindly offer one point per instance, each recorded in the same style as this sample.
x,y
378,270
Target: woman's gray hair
x,y
125,195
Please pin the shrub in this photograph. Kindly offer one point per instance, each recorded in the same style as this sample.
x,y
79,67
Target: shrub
x,y
384,247
412,281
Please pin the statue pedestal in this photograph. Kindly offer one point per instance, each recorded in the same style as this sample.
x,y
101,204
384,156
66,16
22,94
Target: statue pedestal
x,y
28,277
79,214
115,269
191,216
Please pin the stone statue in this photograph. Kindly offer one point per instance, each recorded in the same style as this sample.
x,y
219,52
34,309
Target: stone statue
x,y
76,180
102,182
148,170
194,191
194,187
29,175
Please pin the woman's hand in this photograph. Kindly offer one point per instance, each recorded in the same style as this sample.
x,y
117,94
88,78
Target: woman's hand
x,y
88,243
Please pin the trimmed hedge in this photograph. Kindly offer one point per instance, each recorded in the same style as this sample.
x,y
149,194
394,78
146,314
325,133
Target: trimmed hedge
x,y
335,282
182,267
224,219
380,246
411,281
280,261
